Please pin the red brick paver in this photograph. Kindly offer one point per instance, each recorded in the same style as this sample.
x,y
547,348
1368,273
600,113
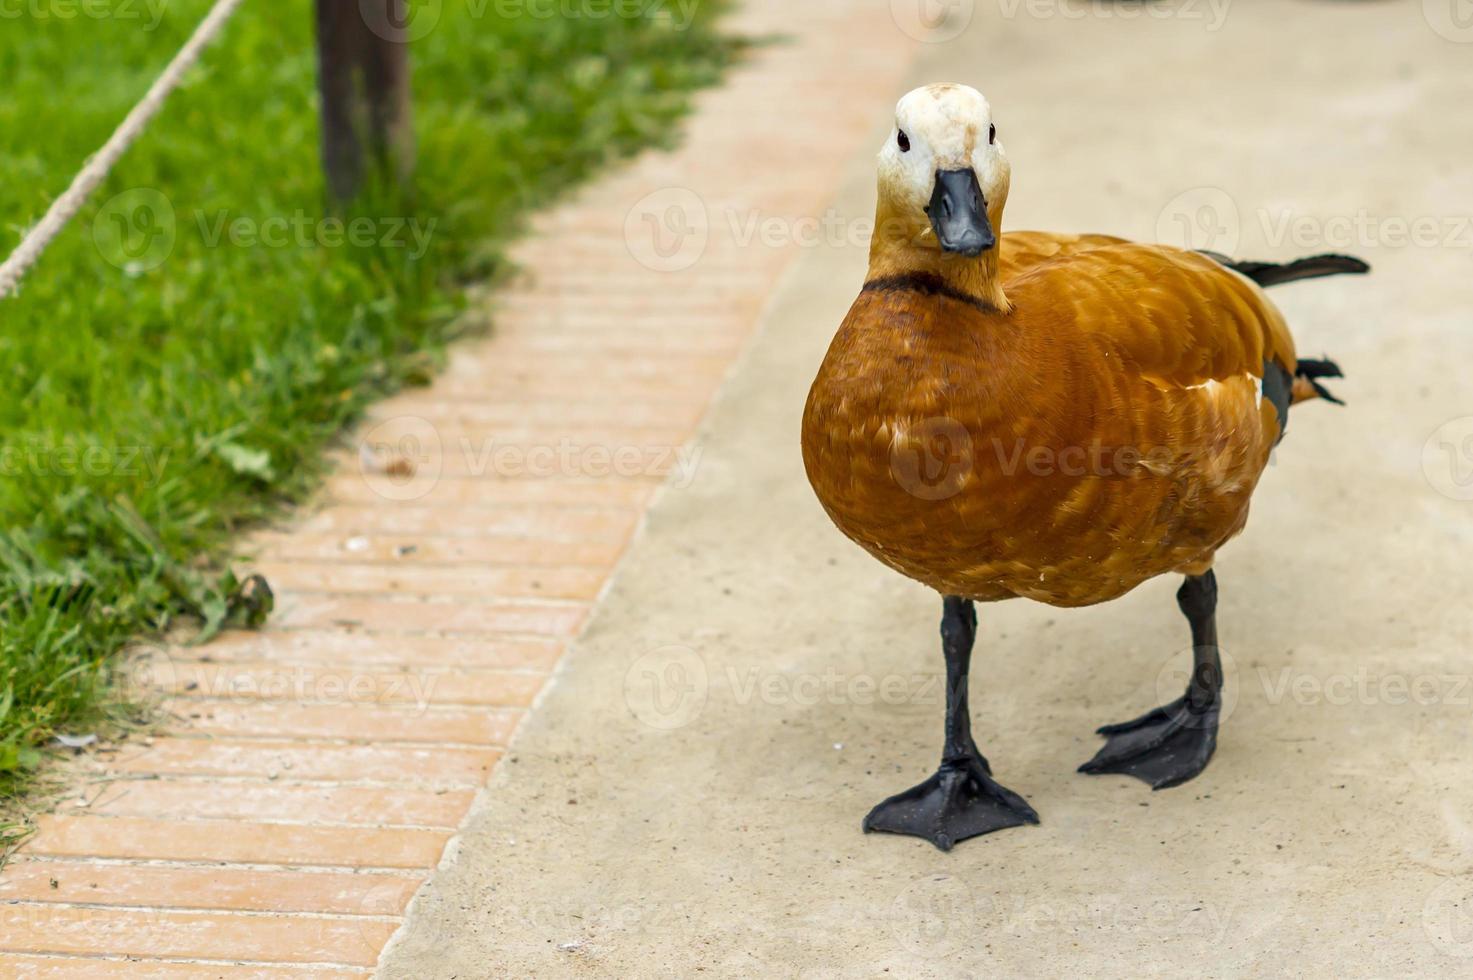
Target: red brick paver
x,y
313,772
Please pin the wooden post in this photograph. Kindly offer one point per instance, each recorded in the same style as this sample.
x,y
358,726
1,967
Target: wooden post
x,y
363,80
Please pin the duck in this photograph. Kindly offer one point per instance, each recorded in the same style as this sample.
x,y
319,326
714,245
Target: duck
x,y
1052,417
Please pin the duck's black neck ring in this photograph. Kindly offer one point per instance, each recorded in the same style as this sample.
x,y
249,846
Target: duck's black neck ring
x,y
927,283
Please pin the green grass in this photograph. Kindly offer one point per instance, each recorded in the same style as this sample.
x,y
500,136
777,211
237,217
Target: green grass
x,y
161,387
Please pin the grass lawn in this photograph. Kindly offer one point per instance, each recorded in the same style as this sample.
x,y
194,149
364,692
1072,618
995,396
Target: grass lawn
x,y
180,356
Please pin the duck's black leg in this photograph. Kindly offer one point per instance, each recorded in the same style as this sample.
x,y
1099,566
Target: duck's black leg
x,y
1171,744
961,800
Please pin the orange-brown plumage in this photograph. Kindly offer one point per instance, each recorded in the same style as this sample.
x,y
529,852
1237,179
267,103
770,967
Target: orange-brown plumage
x,y
1113,421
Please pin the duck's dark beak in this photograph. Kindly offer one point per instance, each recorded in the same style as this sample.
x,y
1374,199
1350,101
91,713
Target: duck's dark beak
x,y
959,215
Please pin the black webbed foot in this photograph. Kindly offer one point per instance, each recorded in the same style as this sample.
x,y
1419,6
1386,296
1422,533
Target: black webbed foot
x,y
960,800
1164,747
1171,744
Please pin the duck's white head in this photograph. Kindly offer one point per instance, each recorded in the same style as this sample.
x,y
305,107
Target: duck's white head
x,y
943,173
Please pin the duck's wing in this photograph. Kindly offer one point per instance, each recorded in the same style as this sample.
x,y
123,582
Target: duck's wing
x,y
1175,319
1021,251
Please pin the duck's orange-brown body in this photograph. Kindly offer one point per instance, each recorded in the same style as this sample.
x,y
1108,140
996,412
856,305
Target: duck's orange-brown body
x,y
1107,428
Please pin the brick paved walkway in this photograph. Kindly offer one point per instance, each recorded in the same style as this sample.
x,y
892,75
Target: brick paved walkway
x,y
314,772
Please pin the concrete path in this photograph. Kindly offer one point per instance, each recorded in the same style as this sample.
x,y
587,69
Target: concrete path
x,y
313,773
685,800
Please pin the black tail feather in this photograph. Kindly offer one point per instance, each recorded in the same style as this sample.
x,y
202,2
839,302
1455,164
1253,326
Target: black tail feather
x,y
1309,367
1312,369
1275,273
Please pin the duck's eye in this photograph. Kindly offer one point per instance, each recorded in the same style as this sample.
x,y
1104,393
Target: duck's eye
x,y
991,133
904,142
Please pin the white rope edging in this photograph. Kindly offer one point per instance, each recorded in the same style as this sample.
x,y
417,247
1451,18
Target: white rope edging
x,y
65,207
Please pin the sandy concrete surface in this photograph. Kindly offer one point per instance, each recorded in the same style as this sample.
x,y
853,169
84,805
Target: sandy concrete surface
x,y
686,800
